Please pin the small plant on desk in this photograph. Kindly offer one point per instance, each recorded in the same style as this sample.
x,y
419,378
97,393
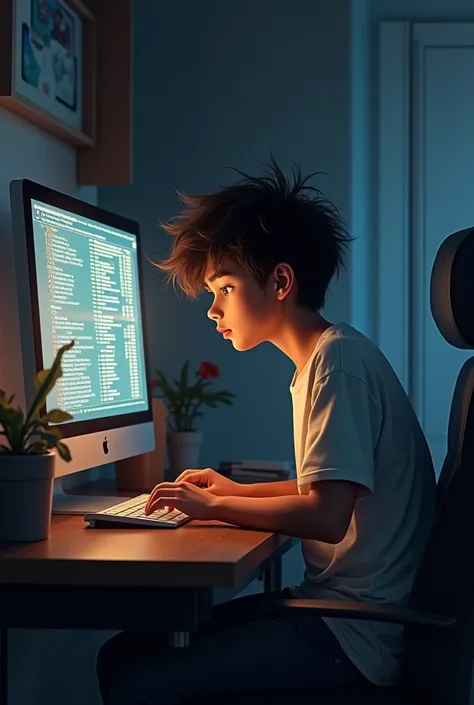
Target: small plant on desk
x,y
184,399
29,433
26,458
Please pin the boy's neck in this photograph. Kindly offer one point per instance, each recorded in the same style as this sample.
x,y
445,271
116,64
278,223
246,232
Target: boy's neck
x,y
297,337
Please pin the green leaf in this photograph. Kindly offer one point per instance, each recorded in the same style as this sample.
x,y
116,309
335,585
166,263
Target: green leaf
x,y
34,426
47,380
223,397
50,439
10,417
38,448
168,391
17,431
64,452
3,398
40,378
184,377
56,416
53,430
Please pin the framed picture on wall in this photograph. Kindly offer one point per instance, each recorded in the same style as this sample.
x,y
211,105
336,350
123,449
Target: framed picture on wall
x,y
47,65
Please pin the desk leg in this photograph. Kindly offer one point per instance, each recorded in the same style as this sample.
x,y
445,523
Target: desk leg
x,y
178,640
272,577
3,666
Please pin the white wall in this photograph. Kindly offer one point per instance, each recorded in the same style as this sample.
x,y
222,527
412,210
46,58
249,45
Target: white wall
x,y
53,667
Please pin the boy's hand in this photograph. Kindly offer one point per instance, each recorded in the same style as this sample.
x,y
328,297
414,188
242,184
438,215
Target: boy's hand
x,y
210,479
195,502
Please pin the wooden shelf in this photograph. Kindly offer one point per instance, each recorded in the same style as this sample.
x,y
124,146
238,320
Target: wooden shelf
x,y
109,160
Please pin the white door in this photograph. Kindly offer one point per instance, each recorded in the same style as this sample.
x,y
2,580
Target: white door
x,y
427,192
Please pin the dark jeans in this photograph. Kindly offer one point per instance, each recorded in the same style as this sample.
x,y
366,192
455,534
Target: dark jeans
x,y
278,653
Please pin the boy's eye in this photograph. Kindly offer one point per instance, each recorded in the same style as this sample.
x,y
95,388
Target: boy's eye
x,y
226,290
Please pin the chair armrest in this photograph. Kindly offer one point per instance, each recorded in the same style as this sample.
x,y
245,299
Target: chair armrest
x,y
353,610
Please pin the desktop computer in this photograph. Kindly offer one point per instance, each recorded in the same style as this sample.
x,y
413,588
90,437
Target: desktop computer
x,y
78,276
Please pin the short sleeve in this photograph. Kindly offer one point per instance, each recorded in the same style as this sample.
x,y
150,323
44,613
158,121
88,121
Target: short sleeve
x,y
343,427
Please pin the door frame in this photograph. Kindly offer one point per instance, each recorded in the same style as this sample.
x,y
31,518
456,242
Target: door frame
x,y
401,184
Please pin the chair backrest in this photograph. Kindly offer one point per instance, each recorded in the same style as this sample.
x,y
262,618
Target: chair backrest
x,y
439,663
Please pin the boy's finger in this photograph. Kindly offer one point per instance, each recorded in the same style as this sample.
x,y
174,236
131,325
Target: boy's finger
x,y
160,503
161,486
188,471
158,493
195,477
181,477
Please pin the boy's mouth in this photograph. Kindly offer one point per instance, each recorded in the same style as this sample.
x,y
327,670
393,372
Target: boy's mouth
x,y
225,332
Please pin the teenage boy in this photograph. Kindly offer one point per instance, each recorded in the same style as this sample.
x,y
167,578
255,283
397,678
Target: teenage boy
x,y
266,250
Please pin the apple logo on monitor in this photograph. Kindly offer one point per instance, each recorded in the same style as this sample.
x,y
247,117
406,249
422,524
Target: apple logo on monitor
x,y
105,445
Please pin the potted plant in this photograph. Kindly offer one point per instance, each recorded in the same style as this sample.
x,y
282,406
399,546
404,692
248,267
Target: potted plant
x,y
184,399
27,461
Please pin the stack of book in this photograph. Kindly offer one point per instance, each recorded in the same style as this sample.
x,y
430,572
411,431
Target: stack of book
x,y
257,470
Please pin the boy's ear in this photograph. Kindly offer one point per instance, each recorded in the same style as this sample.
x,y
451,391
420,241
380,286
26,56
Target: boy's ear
x,y
283,278
279,284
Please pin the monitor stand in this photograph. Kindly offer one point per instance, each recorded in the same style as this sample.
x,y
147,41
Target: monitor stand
x,y
69,503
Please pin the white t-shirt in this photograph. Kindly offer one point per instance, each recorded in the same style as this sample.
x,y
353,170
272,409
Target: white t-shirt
x,y
353,421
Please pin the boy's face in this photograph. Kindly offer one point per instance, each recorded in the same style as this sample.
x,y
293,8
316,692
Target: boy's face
x,y
243,311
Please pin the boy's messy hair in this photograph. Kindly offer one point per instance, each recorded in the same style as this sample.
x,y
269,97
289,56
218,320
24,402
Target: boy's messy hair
x,y
258,223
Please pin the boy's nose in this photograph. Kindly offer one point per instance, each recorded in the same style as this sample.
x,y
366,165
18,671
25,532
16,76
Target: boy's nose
x,y
213,313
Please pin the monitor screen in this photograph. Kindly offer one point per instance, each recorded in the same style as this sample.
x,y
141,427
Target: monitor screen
x,y
87,288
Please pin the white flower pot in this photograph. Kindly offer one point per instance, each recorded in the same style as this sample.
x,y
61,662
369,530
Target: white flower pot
x,y
184,448
26,496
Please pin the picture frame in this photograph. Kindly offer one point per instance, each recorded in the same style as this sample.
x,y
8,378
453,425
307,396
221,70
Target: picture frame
x,y
48,66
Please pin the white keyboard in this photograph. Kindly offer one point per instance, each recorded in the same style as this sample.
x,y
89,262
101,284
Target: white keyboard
x,y
132,511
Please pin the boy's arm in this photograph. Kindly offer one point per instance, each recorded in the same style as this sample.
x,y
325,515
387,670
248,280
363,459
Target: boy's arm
x,y
268,489
338,466
324,514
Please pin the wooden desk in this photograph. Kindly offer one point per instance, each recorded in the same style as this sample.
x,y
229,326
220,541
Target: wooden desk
x,y
84,578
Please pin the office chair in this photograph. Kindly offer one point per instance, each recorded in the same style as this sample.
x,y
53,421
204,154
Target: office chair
x,y
439,619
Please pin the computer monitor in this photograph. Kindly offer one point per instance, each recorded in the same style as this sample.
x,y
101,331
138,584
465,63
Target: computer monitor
x,y
78,274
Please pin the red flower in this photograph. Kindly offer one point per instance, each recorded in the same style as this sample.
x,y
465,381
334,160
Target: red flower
x,y
155,382
208,370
